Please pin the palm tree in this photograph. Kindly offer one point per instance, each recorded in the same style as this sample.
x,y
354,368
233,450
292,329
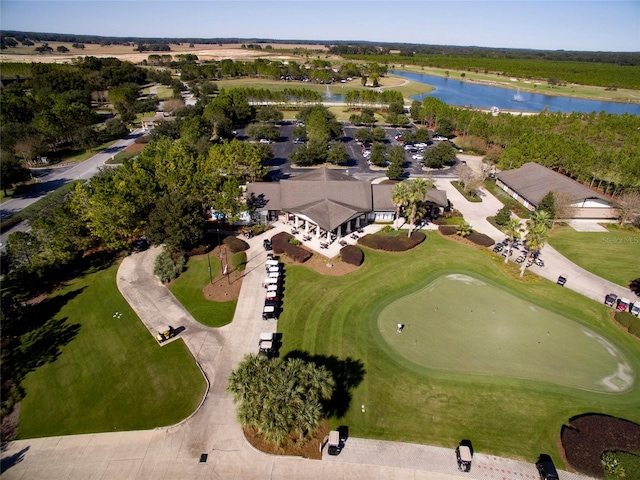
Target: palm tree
x,y
536,238
464,229
400,198
513,230
417,193
541,217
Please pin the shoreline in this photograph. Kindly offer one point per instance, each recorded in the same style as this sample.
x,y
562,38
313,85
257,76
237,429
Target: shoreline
x,y
517,84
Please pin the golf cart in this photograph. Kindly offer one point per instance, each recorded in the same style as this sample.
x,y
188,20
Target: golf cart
x,y
266,344
562,280
335,445
610,299
546,468
464,455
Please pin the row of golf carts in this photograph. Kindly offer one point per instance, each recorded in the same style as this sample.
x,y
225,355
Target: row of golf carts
x,y
622,304
544,464
273,285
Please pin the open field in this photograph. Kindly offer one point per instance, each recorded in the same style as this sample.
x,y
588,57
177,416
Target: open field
x,y
22,53
330,317
612,255
109,372
187,288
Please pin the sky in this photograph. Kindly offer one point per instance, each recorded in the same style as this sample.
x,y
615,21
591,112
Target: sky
x,y
581,25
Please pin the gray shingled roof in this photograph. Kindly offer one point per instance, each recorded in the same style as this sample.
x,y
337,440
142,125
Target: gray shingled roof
x,y
533,181
328,197
382,200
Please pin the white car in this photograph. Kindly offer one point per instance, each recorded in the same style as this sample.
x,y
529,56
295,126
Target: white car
x,y
265,140
417,156
366,153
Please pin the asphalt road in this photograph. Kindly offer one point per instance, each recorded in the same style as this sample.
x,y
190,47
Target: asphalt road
x,y
50,179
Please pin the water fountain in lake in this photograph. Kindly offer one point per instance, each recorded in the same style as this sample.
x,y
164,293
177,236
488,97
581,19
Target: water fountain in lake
x,y
518,96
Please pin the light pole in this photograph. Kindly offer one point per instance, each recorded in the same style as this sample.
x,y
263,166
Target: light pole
x,y
209,262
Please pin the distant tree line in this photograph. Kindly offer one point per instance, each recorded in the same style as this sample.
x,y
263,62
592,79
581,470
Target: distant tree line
x,y
598,149
603,74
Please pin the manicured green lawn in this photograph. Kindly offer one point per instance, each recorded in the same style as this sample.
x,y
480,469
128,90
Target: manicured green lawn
x,y
187,288
518,418
612,255
464,324
110,374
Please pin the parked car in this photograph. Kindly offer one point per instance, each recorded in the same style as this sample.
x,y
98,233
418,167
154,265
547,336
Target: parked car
x,y
464,456
266,243
634,309
546,468
265,140
562,280
610,299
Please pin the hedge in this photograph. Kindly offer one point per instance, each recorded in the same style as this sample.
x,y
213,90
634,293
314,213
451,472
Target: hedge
x,y
239,261
399,243
631,323
280,244
481,239
448,229
235,244
352,255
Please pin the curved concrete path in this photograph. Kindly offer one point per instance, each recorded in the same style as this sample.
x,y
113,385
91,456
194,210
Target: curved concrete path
x,y
578,279
174,452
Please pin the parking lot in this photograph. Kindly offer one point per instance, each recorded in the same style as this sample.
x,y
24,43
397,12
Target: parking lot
x,y
357,165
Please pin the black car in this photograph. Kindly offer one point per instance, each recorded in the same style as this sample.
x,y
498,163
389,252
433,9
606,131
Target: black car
x,y
267,244
561,280
546,468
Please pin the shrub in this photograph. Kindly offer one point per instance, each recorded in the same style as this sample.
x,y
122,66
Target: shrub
x,y
235,244
167,267
294,241
386,229
448,229
280,244
352,255
624,318
481,239
503,216
618,464
388,243
239,261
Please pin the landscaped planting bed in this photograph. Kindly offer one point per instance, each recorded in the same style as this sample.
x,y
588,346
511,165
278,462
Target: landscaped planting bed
x,y
587,437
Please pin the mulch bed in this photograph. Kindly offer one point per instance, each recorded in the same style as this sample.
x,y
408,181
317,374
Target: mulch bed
x,y
310,448
588,436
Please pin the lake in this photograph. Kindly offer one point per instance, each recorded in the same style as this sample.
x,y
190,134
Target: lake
x,y
455,92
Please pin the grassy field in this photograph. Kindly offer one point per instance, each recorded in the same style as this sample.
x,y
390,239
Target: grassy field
x,y
187,288
337,318
612,255
463,324
97,372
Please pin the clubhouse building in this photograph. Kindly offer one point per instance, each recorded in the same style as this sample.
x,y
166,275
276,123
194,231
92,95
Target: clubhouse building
x,y
326,202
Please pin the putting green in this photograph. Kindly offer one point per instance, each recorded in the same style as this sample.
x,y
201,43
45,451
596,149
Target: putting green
x,y
463,325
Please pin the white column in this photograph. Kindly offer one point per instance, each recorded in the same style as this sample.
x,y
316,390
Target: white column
x,y
339,231
358,221
306,227
296,222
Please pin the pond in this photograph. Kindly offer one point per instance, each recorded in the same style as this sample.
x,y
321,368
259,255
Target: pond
x,y
455,92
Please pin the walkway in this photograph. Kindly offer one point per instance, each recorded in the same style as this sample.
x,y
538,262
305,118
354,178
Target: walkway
x,y
175,452
578,279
